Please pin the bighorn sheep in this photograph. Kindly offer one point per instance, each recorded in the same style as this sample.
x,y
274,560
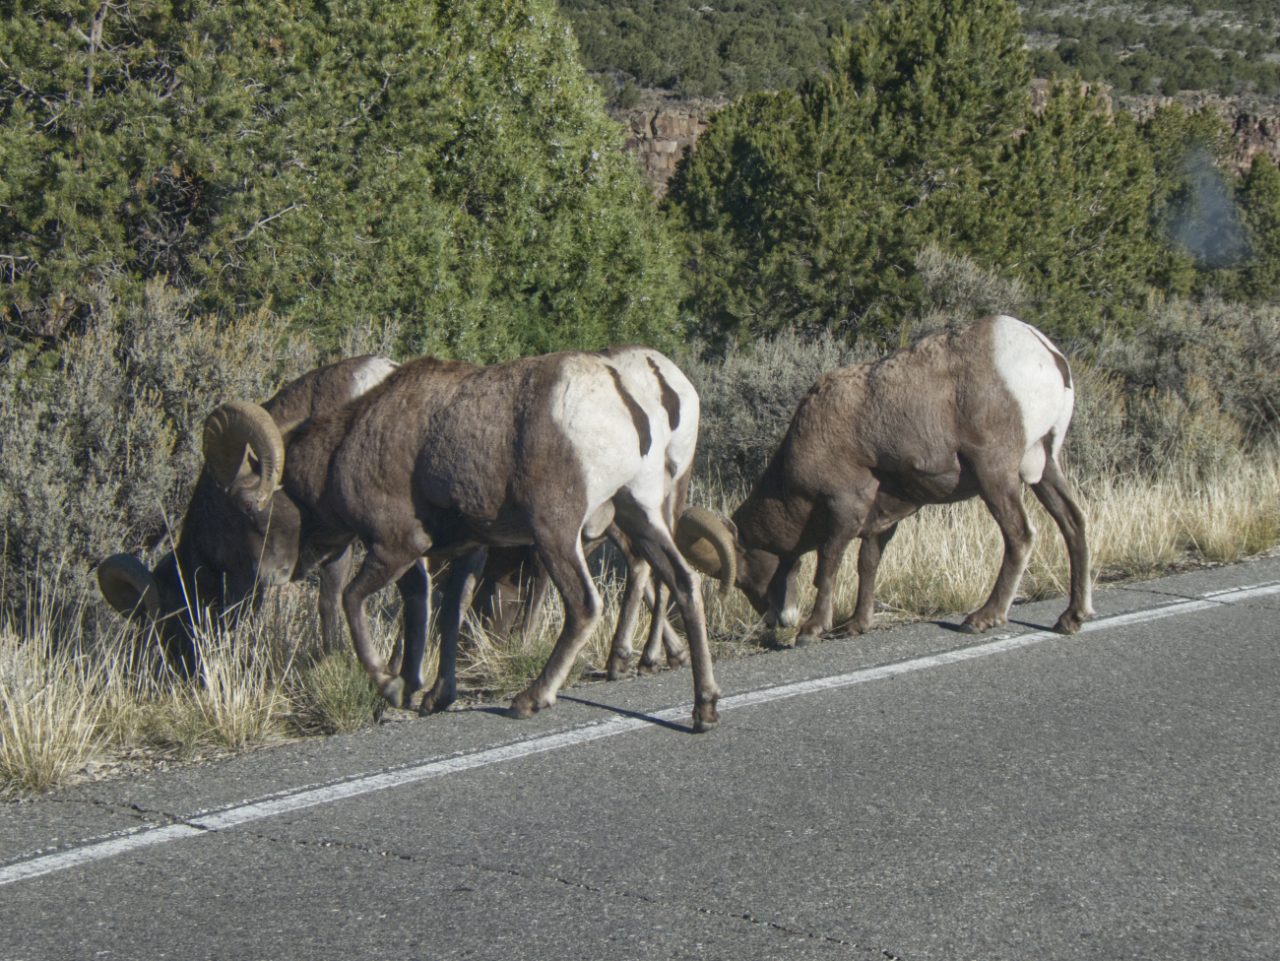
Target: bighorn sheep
x,y
959,414
225,552
445,457
225,555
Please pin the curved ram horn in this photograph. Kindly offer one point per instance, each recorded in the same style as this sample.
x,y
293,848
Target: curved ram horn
x,y
232,428
707,545
125,582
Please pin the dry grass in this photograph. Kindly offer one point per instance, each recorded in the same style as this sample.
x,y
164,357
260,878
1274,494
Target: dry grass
x,y
945,559
49,717
74,691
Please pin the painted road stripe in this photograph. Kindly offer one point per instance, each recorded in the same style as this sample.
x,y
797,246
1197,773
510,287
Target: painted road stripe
x,y
302,799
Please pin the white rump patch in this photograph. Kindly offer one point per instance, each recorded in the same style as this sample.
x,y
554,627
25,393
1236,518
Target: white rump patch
x,y
373,373
588,408
1028,363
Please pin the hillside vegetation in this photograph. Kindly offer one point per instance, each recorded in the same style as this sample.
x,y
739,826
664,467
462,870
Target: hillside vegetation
x,y
1159,47
707,49
721,49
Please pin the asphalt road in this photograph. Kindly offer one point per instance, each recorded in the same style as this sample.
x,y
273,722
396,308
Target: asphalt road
x,y
915,793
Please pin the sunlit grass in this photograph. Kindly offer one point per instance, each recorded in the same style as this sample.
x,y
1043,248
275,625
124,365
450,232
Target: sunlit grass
x,y
79,685
945,559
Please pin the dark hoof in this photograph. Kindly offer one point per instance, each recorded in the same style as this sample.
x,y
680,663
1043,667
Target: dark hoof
x,y
616,668
393,693
648,668
522,708
433,703
705,717
806,640
967,628
1068,625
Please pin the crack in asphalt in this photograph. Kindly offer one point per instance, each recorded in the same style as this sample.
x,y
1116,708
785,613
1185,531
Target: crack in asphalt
x,y
580,885
152,819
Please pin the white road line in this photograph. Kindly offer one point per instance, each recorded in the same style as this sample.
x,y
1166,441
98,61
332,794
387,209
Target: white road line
x,y
282,804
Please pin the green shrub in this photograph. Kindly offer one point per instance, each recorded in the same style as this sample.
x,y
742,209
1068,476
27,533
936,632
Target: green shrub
x,y
447,165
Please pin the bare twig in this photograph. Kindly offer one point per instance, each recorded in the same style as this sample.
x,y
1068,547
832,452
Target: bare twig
x,y
266,220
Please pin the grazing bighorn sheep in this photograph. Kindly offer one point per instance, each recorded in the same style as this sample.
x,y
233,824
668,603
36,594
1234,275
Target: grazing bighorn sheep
x,y
445,457
959,414
224,553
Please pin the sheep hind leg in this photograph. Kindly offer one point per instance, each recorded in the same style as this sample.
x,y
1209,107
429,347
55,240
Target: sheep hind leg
x,y
1003,497
1054,493
661,634
620,650
567,567
651,538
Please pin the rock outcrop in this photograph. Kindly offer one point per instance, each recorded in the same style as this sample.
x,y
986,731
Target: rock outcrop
x,y
659,133
661,130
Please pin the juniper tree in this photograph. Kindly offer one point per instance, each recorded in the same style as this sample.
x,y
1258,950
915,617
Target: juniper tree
x,y
447,164
921,133
1259,197
1070,216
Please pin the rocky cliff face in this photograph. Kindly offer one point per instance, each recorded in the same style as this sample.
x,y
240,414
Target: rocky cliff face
x,y
659,132
1254,124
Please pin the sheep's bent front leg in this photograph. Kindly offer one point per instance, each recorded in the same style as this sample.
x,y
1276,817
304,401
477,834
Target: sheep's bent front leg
x,y
376,573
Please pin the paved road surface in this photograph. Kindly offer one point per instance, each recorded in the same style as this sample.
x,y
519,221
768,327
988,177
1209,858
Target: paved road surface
x,y
915,793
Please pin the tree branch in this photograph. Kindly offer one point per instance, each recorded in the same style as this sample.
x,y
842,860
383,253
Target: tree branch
x,y
266,220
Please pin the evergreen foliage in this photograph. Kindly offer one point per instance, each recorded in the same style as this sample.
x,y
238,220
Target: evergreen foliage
x,y
708,49
1071,208
444,164
811,209
1260,204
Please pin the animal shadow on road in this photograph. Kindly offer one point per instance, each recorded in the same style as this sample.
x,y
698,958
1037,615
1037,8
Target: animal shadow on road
x,y
638,715
959,628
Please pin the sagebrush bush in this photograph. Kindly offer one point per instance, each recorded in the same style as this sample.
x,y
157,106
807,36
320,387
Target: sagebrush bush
x,y
957,289
749,394
1192,391
102,432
